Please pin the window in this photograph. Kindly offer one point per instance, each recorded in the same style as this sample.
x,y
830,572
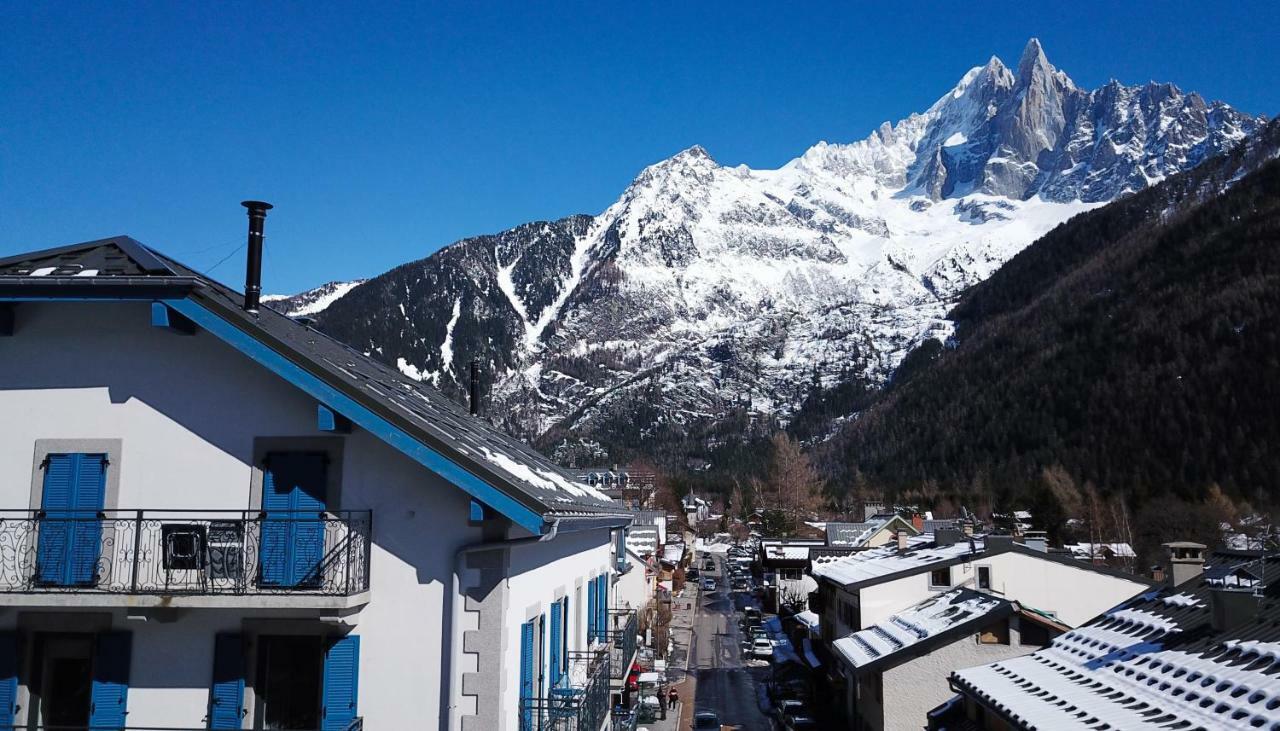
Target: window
x,y
996,633
70,533
984,577
940,577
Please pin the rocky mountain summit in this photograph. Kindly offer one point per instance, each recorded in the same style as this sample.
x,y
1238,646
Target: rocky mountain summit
x,y
707,291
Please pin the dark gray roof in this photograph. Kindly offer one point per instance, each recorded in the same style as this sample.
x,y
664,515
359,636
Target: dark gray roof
x,y
850,534
125,267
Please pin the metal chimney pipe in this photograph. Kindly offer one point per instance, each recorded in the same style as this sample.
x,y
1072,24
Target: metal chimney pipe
x,y
475,386
253,262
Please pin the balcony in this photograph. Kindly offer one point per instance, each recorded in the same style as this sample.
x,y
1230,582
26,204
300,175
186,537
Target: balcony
x,y
578,702
194,558
621,634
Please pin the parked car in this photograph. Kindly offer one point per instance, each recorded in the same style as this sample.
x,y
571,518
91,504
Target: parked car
x,y
706,720
762,647
708,584
691,573
788,707
800,723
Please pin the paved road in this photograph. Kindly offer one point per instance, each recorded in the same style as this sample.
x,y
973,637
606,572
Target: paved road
x,y
715,660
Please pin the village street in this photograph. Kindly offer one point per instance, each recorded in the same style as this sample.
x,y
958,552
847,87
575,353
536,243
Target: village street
x,y
706,623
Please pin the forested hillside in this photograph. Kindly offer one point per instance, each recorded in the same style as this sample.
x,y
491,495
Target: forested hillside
x,y
1135,348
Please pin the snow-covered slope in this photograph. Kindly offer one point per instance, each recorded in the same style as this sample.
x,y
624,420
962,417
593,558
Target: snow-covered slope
x,y
312,301
707,289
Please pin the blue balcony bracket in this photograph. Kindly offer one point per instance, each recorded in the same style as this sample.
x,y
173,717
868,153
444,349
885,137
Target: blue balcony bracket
x,y
176,322
329,420
479,513
6,320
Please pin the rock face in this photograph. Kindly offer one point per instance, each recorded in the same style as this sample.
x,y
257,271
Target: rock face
x,y
706,290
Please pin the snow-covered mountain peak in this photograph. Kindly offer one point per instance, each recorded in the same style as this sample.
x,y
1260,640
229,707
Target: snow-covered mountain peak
x,y
705,289
312,301
1034,67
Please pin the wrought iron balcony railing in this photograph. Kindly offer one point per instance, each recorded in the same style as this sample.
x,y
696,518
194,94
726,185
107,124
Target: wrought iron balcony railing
x,y
623,626
579,701
192,552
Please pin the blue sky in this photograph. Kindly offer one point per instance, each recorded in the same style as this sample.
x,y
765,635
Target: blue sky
x,y
382,132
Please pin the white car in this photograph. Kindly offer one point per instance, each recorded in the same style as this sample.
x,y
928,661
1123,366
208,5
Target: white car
x,y
762,647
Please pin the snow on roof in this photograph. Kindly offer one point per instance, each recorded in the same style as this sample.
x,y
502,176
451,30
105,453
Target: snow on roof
x,y
915,625
1155,661
853,535
642,540
809,619
885,560
796,553
673,552
1093,550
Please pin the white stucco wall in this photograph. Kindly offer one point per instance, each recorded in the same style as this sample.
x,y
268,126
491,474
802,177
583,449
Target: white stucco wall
x,y
539,574
632,588
187,410
1075,594
914,688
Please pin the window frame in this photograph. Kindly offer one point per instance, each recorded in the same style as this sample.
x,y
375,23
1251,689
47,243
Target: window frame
x,y
978,571
933,574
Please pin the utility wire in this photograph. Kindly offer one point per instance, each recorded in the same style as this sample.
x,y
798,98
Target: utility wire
x,y
223,260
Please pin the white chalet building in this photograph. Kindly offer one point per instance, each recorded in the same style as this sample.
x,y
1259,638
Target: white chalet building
x,y
887,593
214,516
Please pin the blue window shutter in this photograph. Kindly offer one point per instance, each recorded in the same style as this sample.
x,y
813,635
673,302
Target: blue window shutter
x,y
110,691
70,532
53,549
90,496
526,676
556,646
226,692
293,485
8,677
341,683
604,606
592,586
564,640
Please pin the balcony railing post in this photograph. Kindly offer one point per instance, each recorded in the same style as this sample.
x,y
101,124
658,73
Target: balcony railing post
x,y
349,568
137,549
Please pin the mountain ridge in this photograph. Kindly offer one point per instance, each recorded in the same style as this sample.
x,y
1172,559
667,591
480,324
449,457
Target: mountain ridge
x,y
707,290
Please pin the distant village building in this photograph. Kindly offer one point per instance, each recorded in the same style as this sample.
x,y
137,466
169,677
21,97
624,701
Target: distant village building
x,y
870,534
696,509
633,488
869,588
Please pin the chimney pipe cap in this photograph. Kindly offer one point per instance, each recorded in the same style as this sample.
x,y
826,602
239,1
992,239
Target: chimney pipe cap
x,y
257,205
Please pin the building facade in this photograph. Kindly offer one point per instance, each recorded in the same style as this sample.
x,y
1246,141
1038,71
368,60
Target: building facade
x,y
217,517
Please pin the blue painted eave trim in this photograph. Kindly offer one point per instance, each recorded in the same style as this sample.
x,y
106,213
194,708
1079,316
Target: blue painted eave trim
x,y
339,402
329,420
163,317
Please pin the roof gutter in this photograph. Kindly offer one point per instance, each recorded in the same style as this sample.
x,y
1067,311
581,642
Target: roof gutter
x,y
455,647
